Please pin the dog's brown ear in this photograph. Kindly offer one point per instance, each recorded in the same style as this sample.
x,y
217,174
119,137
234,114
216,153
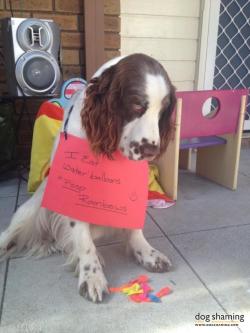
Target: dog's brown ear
x,y
100,119
166,125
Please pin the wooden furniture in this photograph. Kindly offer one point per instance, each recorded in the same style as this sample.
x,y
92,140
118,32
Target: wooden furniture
x,y
216,136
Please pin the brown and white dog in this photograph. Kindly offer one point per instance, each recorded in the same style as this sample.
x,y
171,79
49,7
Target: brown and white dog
x,y
127,105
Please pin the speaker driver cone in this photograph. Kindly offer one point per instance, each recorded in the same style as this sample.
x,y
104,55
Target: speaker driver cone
x,y
37,72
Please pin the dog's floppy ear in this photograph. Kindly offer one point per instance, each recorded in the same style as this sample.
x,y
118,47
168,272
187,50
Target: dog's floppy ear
x,y
100,119
165,123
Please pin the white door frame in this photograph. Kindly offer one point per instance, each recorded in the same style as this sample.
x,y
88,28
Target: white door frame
x,y
210,11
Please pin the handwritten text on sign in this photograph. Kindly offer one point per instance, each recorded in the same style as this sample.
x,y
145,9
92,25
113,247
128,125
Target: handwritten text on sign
x,y
96,190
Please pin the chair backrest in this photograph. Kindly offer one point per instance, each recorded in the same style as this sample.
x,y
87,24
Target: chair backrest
x,y
225,120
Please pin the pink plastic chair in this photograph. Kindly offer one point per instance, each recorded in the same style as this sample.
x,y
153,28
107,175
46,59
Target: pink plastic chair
x,y
216,136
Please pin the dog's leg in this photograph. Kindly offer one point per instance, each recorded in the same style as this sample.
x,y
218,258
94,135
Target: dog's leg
x,y
145,254
92,282
21,230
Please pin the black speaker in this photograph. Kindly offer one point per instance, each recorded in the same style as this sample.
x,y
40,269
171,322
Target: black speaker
x,y
32,56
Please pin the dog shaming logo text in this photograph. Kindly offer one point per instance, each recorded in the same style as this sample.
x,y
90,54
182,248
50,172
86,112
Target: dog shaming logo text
x,y
217,319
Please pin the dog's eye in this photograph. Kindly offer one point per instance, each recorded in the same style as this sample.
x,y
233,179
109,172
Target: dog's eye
x,y
139,108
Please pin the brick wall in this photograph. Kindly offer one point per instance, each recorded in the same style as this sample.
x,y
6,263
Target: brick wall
x,y
69,15
112,28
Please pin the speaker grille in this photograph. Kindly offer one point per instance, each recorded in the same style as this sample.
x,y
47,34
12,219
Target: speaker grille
x,y
31,52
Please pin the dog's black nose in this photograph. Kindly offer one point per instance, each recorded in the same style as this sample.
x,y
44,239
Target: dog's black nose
x,y
149,150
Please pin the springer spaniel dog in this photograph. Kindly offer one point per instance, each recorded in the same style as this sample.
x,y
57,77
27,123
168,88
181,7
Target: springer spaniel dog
x,y
127,105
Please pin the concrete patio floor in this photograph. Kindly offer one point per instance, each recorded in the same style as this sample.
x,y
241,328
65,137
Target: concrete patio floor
x,y
206,235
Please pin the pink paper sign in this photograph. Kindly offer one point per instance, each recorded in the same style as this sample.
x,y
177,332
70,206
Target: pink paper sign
x,y
95,189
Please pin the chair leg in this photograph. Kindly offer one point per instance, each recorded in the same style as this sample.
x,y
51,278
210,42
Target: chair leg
x,y
168,170
221,163
168,163
185,159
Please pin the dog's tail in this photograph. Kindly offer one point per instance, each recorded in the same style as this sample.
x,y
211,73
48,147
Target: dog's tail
x,y
23,232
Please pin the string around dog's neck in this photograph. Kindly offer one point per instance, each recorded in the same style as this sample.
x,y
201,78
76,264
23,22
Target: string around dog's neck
x,y
66,123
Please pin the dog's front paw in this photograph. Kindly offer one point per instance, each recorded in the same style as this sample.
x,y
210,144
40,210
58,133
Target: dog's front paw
x,y
93,286
7,245
153,260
